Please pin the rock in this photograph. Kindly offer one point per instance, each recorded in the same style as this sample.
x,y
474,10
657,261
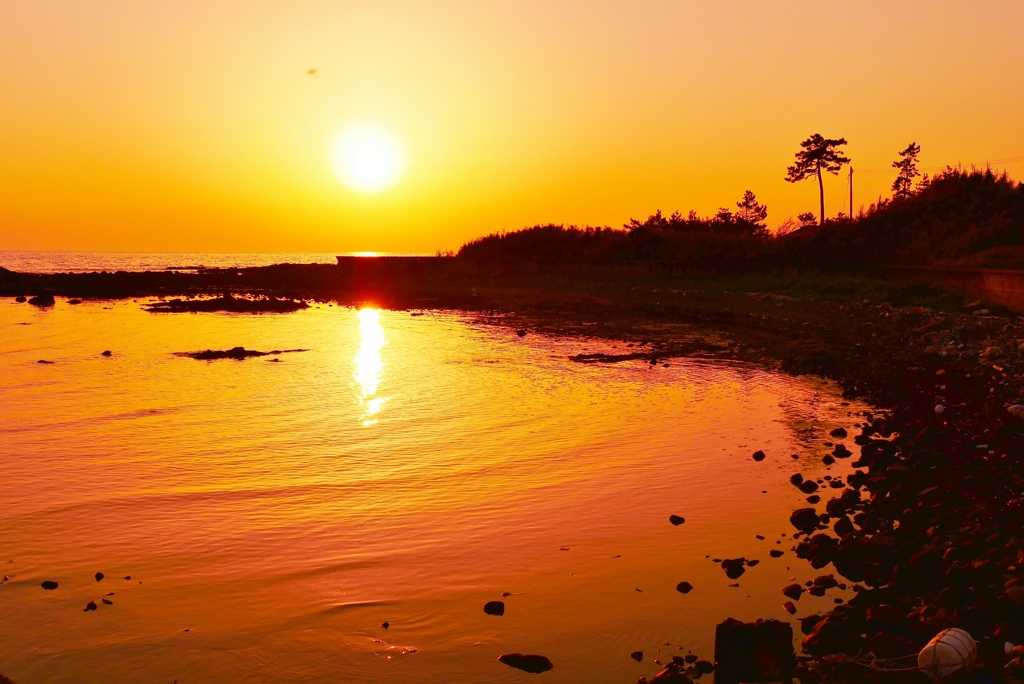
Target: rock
x,y
752,562
827,581
535,664
789,607
684,587
74,301
99,576
42,300
759,651
704,666
106,352
385,625
840,451
91,605
807,623
676,520
775,553
521,332
758,455
793,591
672,674
839,631
796,479
734,567
827,459
127,577
838,432
813,499
804,519
44,361
843,526
808,486
816,591
494,608
638,656
49,585
108,602
20,299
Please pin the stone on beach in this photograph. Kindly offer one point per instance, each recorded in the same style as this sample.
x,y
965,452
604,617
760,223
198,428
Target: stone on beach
x,y
804,519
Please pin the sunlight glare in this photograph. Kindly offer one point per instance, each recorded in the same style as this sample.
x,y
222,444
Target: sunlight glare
x,y
369,366
368,159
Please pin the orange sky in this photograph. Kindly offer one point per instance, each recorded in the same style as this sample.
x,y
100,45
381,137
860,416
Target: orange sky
x,y
193,125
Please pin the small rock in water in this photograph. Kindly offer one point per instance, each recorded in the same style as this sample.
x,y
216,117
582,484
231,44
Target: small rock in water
x,y
563,548
775,553
49,363
106,352
813,499
827,459
808,486
751,563
838,432
759,455
127,577
20,299
108,602
49,585
534,664
521,332
638,656
494,608
789,607
506,594
684,587
734,567
385,625
793,591
804,519
676,520
99,576
91,605
759,536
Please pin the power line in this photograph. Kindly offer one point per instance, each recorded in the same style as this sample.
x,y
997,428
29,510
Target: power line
x,y
987,162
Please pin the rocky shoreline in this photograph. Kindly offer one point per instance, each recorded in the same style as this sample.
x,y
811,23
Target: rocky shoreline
x,y
928,526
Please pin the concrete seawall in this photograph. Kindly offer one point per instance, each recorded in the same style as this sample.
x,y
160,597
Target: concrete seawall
x,y
990,285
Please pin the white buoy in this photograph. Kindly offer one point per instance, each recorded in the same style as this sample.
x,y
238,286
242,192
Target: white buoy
x,y
939,409
951,650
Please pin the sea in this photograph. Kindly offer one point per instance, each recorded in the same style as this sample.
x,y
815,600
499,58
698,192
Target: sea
x,y
344,512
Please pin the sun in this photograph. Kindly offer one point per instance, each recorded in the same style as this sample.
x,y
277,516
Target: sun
x,y
368,159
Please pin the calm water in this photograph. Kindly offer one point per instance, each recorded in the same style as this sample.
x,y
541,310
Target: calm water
x,y
78,262
404,469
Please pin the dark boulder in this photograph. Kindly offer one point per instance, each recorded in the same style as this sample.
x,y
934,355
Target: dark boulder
x,y
804,519
758,455
808,486
42,300
684,587
759,651
676,520
494,608
638,656
838,432
49,585
734,567
793,591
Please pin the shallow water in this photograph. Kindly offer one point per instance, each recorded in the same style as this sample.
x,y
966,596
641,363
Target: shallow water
x,y
404,469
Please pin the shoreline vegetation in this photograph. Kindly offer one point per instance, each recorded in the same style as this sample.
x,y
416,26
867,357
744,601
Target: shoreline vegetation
x,y
929,526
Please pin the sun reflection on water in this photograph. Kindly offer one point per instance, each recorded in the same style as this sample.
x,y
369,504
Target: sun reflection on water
x,y
369,366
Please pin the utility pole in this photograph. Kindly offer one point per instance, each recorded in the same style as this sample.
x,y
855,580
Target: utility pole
x,y
851,192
